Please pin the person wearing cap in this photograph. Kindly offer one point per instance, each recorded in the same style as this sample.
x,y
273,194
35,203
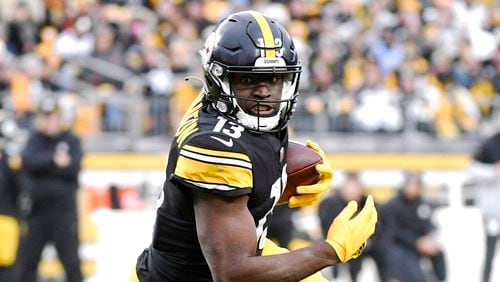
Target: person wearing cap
x,y
408,218
379,246
51,164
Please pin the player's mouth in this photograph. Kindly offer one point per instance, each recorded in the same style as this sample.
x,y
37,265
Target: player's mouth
x,y
263,110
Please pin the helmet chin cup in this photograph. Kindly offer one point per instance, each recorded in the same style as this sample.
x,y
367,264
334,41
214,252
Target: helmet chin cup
x,y
257,123
250,42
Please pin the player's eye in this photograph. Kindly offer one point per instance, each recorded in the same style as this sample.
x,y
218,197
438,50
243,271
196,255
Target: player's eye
x,y
274,79
246,80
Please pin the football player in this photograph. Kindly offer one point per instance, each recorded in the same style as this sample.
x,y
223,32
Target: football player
x,y
226,169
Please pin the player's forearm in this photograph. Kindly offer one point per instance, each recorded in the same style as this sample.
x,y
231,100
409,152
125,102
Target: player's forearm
x,y
292,266
37,161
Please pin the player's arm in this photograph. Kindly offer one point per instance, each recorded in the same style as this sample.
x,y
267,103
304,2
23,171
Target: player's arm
x,y
36,158
226,232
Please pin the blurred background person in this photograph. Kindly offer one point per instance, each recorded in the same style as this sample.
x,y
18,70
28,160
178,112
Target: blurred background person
x,y
485,171
377,247
378,107
408,219
10,163
51,164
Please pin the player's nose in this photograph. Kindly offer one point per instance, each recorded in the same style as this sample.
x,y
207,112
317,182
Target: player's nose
x,y
262,90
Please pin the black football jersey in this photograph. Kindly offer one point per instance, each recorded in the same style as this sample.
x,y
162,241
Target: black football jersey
x,y
213,154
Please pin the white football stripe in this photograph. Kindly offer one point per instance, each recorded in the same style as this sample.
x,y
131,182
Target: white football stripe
x,y
216,159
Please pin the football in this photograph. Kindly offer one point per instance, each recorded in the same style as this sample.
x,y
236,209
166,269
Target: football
x,y
301,162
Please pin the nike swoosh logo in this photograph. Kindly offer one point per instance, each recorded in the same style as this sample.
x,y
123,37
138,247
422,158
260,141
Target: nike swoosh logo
x,y
228,143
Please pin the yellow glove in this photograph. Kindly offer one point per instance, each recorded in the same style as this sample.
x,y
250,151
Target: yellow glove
x,y
309,194
270,248
348,234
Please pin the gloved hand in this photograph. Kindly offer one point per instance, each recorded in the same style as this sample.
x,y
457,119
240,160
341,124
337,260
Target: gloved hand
x,y
309,194
270,248
348,234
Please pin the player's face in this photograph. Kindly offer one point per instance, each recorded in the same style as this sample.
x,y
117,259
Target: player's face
x,y
261,89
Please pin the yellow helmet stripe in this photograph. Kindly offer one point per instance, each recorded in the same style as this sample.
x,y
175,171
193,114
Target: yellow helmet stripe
x,y
267,34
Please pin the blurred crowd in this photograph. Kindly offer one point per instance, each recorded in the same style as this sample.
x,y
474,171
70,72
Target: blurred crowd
x,y
430,66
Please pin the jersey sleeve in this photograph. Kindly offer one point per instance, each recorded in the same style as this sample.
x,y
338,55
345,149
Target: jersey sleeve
x,y
206,163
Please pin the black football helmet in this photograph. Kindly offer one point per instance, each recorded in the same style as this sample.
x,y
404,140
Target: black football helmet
x,y
250,42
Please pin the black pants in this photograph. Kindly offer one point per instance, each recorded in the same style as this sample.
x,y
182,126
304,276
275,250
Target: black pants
x,y
59,229
6,273
491,244
409,266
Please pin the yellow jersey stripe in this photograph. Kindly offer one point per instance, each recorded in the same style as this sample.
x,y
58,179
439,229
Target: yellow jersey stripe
x,y
267,35
188,130
216,153
225,175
